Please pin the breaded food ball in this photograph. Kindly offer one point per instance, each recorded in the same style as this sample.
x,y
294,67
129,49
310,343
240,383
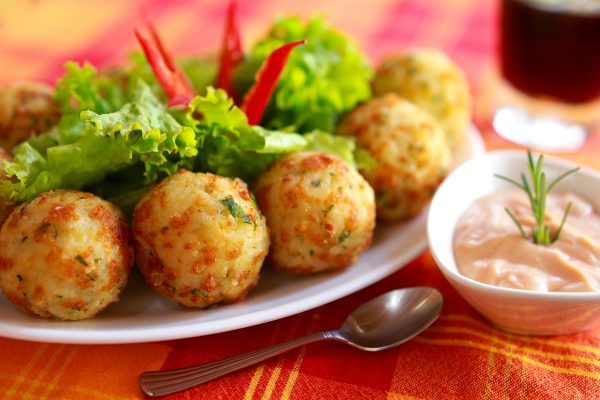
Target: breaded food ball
x,y
321,212
412,154
26,109
65,255
5,206
432,81
200,239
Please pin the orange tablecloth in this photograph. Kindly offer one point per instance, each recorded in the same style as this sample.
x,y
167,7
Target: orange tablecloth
x,y
460,356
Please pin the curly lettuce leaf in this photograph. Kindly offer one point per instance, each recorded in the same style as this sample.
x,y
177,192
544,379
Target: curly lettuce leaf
x,y
82,88
119,154
150,133
142,131
227,144
321,80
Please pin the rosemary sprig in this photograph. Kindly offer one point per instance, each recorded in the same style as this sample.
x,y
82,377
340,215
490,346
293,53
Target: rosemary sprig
x,y
537,192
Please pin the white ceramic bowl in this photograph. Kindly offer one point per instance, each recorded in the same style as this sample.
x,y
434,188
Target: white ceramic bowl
x,y
513,310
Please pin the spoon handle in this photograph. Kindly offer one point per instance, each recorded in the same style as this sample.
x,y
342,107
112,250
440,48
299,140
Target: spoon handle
x,y
160,383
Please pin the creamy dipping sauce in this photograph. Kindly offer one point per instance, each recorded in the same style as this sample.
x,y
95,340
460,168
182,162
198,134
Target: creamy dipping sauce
x,y
489,248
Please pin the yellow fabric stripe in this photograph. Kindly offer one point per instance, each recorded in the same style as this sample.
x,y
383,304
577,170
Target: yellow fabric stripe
x,y
273,380
547,342
557,343
524,349
40,379
260,369
289,385
254,382
523,381
61,370
291,381
480,346
506,377
277,370
489,375
95,393
28,396
64,388
398,396
22,376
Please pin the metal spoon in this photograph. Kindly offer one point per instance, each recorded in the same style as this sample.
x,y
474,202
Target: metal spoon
x,y
383,322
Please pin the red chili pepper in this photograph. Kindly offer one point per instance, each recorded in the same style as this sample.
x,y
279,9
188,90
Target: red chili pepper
x,y
176,86
231,53
258,96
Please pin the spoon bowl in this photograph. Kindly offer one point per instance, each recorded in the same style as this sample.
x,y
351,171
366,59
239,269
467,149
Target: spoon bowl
x,y
381,323
391,319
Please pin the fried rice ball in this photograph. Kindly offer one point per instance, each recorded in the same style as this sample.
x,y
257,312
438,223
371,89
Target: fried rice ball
x,y
412,154
26,109
65,255
321,212
5,207
432,81
200,239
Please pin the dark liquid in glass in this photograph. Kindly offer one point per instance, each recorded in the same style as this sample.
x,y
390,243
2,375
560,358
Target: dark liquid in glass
x,y
551,49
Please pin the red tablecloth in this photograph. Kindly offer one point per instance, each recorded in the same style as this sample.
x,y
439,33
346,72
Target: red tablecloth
x,y
460,356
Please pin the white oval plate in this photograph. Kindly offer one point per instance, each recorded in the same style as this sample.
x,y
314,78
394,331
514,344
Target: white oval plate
x,y
143,316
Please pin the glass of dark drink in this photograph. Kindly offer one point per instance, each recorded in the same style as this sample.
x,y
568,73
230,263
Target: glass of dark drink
x,y
549,53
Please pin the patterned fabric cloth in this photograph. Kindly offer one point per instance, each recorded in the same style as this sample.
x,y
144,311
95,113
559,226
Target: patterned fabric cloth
x,y
461,356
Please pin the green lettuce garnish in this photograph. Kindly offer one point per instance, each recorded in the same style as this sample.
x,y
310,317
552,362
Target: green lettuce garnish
x,y
81,88
152,136
322,79
140,132
228,145
116,141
